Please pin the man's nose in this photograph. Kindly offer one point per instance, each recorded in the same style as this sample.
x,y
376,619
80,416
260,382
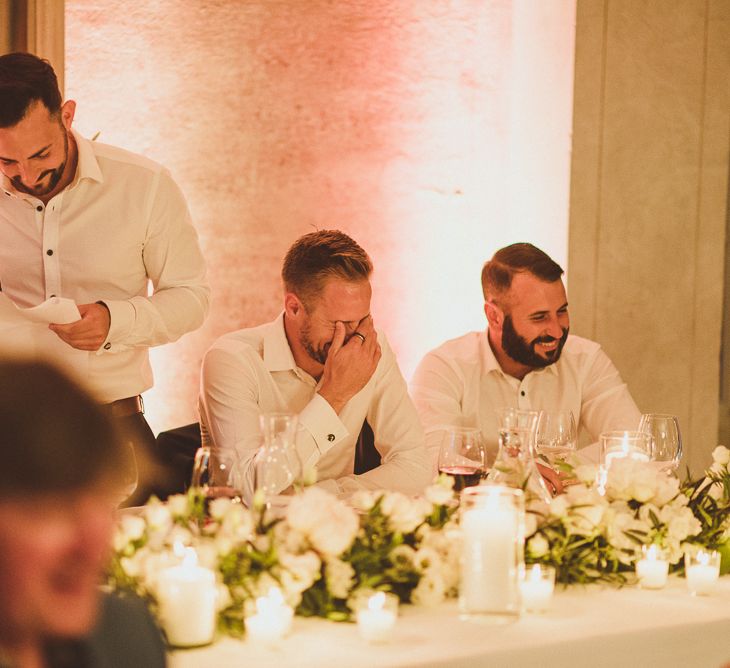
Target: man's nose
x,y
554,328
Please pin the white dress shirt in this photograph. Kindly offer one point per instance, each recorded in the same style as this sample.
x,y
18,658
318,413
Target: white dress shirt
x,y
252,371
461,382
120,225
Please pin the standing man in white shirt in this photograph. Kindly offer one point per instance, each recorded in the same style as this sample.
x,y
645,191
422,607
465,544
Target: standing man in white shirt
x,y
96,224
525,359
322,359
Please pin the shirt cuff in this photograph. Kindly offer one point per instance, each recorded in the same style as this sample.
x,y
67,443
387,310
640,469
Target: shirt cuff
x,y
323,423
122,315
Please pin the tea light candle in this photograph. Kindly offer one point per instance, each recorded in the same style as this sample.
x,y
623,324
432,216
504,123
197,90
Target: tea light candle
x,y
376,621
537,588
187,595
652,569
702,571
273,618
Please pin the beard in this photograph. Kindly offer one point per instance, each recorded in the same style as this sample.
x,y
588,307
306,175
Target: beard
x,y
525,352
317,354
53,174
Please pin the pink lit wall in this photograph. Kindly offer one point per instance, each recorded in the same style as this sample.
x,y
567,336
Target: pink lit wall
x,y
432,131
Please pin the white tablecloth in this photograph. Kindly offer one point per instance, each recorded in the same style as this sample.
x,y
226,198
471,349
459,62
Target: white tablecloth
x,y
592,626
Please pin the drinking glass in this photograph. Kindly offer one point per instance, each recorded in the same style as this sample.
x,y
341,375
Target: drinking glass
x,y
211,476
128,474
556,435
462,456
664,430
636,445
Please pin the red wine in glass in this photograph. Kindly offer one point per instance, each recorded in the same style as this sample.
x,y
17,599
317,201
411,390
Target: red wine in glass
x,y
464,476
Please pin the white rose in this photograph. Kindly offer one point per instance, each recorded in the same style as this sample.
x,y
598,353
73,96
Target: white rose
x,y
537,546
721,455
439,494
426,558
223,597
328,524
559,506
666,489
404,514
339,576
586,473
219,507
364,500
178,505
530,524
133,527
430,590
402,555
157,514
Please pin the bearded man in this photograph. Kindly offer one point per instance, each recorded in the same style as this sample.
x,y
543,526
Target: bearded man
x,y
100,226
525,359
322,359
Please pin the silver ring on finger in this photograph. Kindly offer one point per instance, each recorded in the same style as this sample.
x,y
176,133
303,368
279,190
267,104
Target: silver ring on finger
x,y
359,336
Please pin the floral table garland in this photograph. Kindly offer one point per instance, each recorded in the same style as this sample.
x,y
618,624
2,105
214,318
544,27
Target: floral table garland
x,y
323,553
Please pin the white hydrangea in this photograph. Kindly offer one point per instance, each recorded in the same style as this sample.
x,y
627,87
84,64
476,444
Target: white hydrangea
x,y
721,455
178,505
430,590
340,576
328,524
364,499
441,491
404,514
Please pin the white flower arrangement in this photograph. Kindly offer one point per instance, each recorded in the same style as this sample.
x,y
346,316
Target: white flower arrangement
x,y
323,554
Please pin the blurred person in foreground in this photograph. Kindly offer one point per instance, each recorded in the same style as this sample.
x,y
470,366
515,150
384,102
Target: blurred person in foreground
x,y
323,359
525,359
58,489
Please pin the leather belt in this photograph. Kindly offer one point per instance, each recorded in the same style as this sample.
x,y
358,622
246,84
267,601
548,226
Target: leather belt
x,y
125,407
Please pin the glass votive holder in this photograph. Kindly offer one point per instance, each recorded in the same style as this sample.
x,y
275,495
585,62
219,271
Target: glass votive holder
x,y
701,570
376,616
652,568
536,587
635,445
272,621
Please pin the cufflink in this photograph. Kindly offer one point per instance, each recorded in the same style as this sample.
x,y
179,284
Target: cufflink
x,y
330,437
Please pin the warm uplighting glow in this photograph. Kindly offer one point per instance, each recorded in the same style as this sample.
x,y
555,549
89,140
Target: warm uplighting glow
x,y
432,133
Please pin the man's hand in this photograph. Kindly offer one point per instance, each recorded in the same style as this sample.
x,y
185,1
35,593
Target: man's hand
x,y
552,478
349,365
89,332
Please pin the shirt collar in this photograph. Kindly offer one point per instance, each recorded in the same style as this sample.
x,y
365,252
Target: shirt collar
x,y
87,166
491,364
277,353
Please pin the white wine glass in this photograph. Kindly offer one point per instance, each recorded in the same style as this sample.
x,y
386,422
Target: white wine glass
x,y
463,456
556,435
664,430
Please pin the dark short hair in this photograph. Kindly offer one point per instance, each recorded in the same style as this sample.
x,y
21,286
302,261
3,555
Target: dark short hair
x,y
24,79
53,436
497,273
317,256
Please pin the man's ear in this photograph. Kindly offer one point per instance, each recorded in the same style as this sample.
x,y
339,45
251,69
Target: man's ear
x,y
68,110
494,314
292,305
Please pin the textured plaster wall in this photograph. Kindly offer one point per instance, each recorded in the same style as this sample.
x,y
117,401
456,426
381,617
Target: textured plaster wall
x,y
432,131
649,200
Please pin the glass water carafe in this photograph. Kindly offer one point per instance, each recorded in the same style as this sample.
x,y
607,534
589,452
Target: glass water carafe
x,y
277,465
515,465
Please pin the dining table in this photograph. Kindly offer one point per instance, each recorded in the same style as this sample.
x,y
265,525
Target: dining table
x,y
600,626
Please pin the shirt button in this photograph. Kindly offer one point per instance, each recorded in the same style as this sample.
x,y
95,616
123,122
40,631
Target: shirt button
x,y
39,207
49,252
330,437
107,345
52,296
522,393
